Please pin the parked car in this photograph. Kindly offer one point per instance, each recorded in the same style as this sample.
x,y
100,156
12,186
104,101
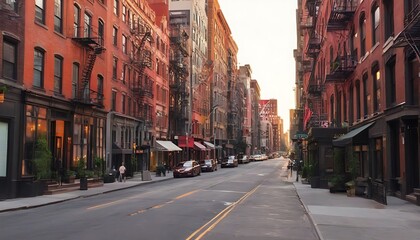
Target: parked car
x,y
252,158
258,157
187,169
243,159
208,165
230,161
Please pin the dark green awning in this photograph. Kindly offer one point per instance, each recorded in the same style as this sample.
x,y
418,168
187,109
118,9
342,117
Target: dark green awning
x,y
353,135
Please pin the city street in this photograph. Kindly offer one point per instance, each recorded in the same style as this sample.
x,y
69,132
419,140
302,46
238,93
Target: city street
x,y
253,201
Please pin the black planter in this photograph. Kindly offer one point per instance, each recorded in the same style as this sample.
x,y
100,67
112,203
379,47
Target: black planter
x,y
31,189
315,182
83,183
109,178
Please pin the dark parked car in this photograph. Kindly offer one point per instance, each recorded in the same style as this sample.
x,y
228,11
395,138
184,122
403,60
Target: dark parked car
x,y
243,159
230,161
208,165
187,169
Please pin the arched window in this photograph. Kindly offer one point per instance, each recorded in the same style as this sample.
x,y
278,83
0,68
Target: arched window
x,y
76,21
375,24
358,108
351,104
376,77
362,31
389,18
39,65
332,114
101,31
58,74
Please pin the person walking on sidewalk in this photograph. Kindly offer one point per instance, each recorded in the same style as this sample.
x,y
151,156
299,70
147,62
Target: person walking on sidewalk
x,y
122,170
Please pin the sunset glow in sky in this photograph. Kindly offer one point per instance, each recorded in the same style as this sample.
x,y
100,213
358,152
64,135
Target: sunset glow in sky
x,y
265,32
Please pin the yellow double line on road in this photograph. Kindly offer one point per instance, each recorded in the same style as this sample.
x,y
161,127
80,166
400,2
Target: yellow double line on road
x,y
199,233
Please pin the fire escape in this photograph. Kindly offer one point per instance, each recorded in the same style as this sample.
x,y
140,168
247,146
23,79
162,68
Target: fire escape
x,y
410,36
141,59
341,14
93,44
315,85
179,90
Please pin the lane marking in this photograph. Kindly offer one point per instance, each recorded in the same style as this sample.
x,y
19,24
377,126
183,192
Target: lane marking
x,y
219,217
163,204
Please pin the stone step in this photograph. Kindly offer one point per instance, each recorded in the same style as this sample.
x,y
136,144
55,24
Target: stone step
x,y
413,198
55,188
417,190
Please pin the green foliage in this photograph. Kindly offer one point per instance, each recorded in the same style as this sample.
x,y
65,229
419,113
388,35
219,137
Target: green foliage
x,y
81,168
337,180
3,89
98,166
338,160
42,159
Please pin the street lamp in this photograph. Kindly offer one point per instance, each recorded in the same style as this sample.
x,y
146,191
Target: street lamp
x,y
214,133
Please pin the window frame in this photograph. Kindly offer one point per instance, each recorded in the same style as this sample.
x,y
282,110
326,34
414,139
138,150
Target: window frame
x,y
76,20
41,71
40,11
8,61
58,16
58,74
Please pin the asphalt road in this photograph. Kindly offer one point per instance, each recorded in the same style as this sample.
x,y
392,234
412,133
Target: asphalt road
x,y
252,201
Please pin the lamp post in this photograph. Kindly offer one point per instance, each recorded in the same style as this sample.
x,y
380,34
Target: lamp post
x,y
214,132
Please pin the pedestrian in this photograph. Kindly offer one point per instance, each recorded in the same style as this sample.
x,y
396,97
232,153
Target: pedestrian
x,y
122,169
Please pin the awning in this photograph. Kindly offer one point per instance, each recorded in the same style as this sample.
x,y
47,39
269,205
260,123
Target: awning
x,y
185,141
167,146
199,146
209,145
355,136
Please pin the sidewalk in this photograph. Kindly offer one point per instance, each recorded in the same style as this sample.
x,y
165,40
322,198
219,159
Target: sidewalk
x,y
22,203
336,216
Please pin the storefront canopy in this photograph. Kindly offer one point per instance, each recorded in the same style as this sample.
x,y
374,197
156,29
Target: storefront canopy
x,y
355,136
209,145
167,146
199,146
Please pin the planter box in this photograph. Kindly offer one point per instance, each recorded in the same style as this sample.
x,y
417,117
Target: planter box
x,y
83,183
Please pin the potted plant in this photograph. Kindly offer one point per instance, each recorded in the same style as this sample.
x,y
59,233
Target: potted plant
x,y
69,176
81,172
3,90
351,185
98,169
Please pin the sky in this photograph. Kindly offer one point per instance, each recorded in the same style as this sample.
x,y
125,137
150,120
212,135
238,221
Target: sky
x,y
265,32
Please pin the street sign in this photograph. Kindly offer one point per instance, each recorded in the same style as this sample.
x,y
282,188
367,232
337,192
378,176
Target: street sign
x,y
301,135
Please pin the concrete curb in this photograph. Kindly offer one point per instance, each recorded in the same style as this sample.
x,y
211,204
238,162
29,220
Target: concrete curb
x,y
318,232
84,196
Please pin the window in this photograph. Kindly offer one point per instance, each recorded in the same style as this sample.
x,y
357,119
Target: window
x,y
123,74
76,23
376,88
390,82
88,26
39,68
114,35
123,103
124,44
362,30
101,30
366,96
9,64
375,24
116,7
39,11
35,136
100,88
114,101
75,80
58,74
351,104
358,107
332,108
389,18
129,106
58,21
12,5
114,68
124,13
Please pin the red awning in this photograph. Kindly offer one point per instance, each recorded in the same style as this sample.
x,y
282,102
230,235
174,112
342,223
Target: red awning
x,y
182,141
200,146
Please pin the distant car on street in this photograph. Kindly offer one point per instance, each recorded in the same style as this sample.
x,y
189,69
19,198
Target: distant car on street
x,y
187,169
208,165
243,159
230,161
